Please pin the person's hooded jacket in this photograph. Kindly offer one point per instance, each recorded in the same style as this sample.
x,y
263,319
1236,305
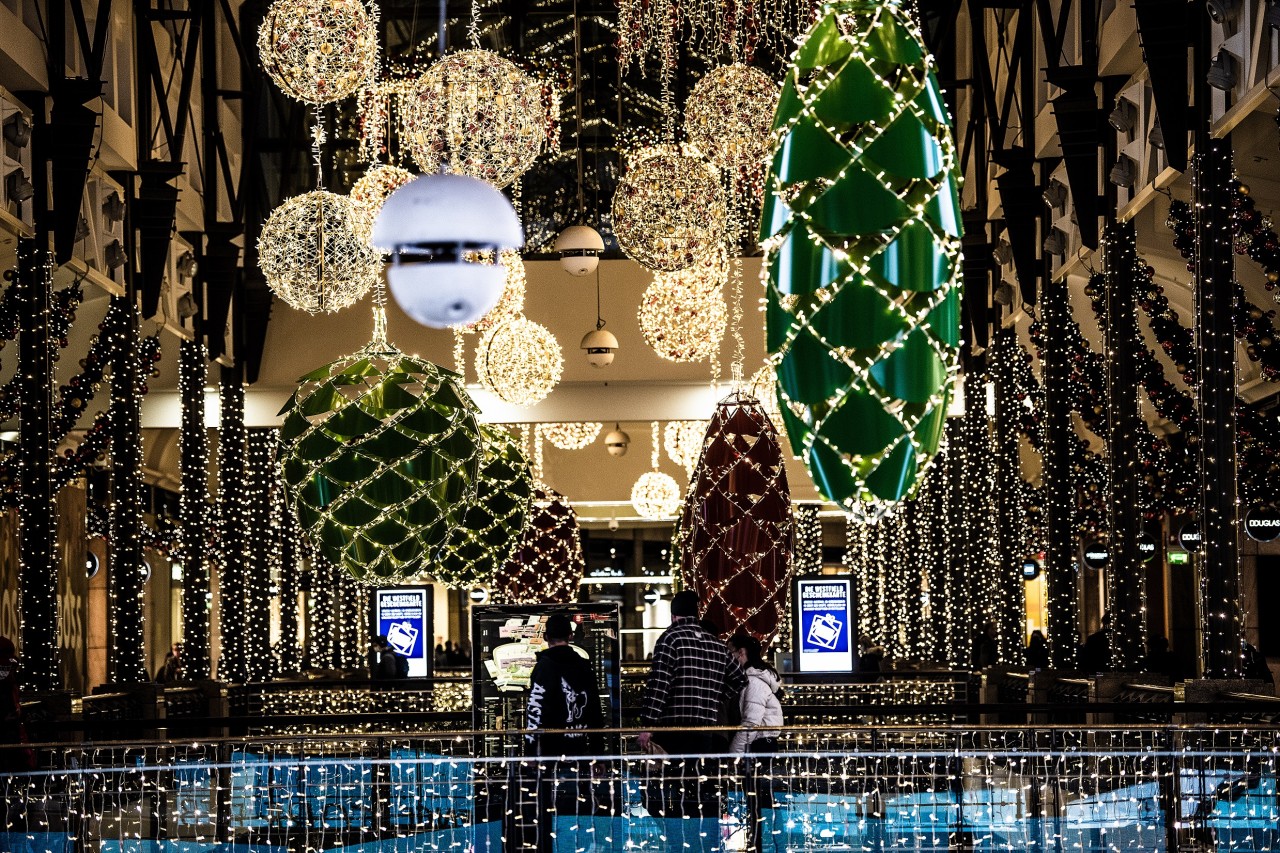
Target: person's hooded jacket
x,y
760,708
563,695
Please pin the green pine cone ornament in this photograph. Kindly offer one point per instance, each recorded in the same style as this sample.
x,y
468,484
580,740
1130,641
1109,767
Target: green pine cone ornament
x,y
488,530
861,228
381,455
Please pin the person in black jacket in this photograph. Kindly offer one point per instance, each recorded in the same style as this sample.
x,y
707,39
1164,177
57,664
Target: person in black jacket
x,y
562,695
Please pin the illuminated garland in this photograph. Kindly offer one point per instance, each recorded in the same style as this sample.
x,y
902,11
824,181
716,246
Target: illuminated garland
x,y
193,466
62,313
233,529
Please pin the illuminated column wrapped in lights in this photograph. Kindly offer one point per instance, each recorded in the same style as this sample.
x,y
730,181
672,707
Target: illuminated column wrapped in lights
x,y
867,228
127,653
259,474
231,484
1010,510
193,462
1059,494
808,550
288,574
1214,271
1125,575
974,490
40,670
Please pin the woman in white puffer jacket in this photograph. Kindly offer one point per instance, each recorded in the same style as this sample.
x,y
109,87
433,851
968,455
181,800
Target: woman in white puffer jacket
x,y
761,710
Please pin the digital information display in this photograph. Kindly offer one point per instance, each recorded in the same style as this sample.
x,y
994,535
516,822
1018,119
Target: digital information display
x,y
403,616
824,625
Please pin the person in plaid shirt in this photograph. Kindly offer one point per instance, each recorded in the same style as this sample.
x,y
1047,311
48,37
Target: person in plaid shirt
x,y
691,674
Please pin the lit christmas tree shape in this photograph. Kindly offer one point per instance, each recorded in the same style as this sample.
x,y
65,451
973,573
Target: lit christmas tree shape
x,y
381,455
861,228
489,530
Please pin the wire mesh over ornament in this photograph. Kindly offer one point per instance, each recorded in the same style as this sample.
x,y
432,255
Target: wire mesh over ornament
x,y
480,115
319,51
373,187
668,210
547,565
683,315
737,523
381,454
490,528
862,219
314,252
729,117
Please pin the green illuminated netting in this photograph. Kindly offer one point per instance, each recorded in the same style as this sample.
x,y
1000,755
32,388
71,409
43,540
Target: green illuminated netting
x,y
861,226
381,454
489,530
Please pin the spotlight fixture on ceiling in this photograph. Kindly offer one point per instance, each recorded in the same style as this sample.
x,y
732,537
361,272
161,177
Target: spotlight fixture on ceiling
x,y
186,264
1123,117
579,247
1002,252
599,343
114,255
113,207
17,130
1222,71
1156,137
1055,195
1003,294
617,441
1124,172
1272,16
187,306
17,186
1221,10
1056,242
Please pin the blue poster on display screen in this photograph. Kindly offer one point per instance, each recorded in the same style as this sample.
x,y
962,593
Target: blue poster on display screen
x,y
824,625
403,616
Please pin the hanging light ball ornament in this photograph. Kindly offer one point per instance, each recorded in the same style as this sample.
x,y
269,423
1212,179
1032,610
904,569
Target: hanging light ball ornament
x,y
380,454
511,303
570,436
736,530
656,495
479,114
319,51
729,116
373,187
547,565
314,252
683,442
668,210
862,220
489,529
519,361
579,247
437,229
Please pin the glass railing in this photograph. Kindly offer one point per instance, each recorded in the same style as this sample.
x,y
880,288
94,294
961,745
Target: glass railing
x,y
926,788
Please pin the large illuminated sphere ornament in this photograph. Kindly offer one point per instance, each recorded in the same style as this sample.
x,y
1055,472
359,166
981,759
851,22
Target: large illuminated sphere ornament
x,y
861,228
570,436
318,51
683,442
547,565
729,114
489,529
373,187
478,114
519,361
736,530
668,211
314,252
381,453
683,314
437,229
655,495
